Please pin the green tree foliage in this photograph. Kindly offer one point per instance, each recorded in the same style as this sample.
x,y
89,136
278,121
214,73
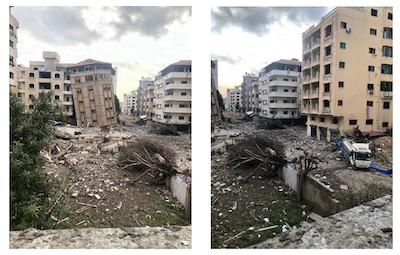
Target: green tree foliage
x,y
30,132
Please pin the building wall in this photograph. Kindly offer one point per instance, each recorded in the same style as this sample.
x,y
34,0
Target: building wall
x,y
234,99
247,79
254,93
130,102
344,106
13,53
141,93
94,99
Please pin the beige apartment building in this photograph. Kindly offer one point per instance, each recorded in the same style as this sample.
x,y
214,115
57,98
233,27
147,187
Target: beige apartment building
x,y
173,94
130,102
93,93
234,99
148,101
254,95
13,53
45,76
347,72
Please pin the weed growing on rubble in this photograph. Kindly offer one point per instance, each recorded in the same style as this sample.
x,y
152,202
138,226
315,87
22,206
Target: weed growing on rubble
x,y
270,124
30,188
164,129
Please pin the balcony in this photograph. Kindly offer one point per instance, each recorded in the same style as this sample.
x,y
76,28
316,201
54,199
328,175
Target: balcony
x,y
284,73
387,93
315,77
177,98
284,83
283,94
67,103
177,86
67,81
306,48
282,105
177,110
177,75
326,111
314,93
65,92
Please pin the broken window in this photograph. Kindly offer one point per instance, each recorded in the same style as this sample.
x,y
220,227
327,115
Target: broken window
x,y
372,50
30,96
328,50
343,24
371,68
313,118
387,51
386,86
328,30
387,33
341,65
374,12
372,31
352,122
327,69
386,69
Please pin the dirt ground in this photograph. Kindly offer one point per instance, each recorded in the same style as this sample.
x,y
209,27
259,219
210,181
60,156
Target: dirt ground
x,y
239,206
98,193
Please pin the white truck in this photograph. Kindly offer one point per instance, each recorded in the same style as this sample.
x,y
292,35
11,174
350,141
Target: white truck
x,y
358,154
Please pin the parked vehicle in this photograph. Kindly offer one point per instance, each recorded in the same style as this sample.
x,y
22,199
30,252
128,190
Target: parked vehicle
x,y
357,154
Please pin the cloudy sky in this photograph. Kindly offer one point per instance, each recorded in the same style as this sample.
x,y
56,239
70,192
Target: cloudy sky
x,y
246,39
140,41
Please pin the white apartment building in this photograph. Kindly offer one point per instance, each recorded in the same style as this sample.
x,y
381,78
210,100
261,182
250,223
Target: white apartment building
x,y
130,100
13,53
234,99
141,95
279,86
173,94
254,95
248,78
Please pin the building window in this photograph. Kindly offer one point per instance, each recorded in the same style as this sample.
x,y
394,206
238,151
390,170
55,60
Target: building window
x,y
385,124
11,75
313,118
387,51
328,50
184,82
31,75
92,100
57,97
341,84
57,75
387,33
340,102
386,69
93,111
31,106
90,89
322,119
369,122
79,91
334,121
370,87
56,86
82,112
374,12
67,108
341,65
327,69
326,104
67,99
30,96
81,102
343,24
183,93
352,122
372,50
285,112
11,63
181,117
371,68
343,45
390,16
370,103
386,86
328,30
11,44
327,87
386,105
31,86
89,78
372,31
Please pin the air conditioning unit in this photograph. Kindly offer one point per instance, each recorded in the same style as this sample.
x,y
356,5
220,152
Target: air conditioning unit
x,y
348,30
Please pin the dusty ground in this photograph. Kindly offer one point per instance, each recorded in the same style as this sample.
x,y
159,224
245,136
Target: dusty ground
x,y
241,206
99,193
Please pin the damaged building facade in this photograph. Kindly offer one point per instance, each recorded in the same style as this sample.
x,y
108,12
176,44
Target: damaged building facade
x,y
234,99
130,103
248,78
347,72
141,94
173,94
216,115
279,86
93,93
13,52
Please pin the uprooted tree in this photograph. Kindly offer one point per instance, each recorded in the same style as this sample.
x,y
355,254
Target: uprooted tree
x,y
149,158
258,153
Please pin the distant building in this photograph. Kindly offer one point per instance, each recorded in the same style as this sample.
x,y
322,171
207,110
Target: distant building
x,y
247,79
45,76
173,94
148,100
13,53
93,93
141,94
130,103
214,72
215,107
347,73
254,94
234,99
279,86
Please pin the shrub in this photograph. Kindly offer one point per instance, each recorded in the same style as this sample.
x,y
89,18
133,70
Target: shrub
x,y
270,124
164,129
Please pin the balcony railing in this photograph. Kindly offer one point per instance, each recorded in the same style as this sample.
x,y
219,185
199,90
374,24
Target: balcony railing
x,y
283,94
177,98
283,105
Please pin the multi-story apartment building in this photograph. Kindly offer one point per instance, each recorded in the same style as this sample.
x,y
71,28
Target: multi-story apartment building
x,y
45,76
148,101
141,93
93,93
130,103
234,99
254,94
173,94
216,115
247,79
347,71
279,86
13,53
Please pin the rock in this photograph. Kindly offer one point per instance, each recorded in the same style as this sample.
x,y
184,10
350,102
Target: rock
x,y
97,196
75,194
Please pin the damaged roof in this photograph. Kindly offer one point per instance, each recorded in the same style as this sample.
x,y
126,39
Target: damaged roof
x,y
88,61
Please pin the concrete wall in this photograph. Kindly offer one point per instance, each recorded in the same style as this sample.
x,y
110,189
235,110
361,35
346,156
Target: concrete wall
x,y
181,190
